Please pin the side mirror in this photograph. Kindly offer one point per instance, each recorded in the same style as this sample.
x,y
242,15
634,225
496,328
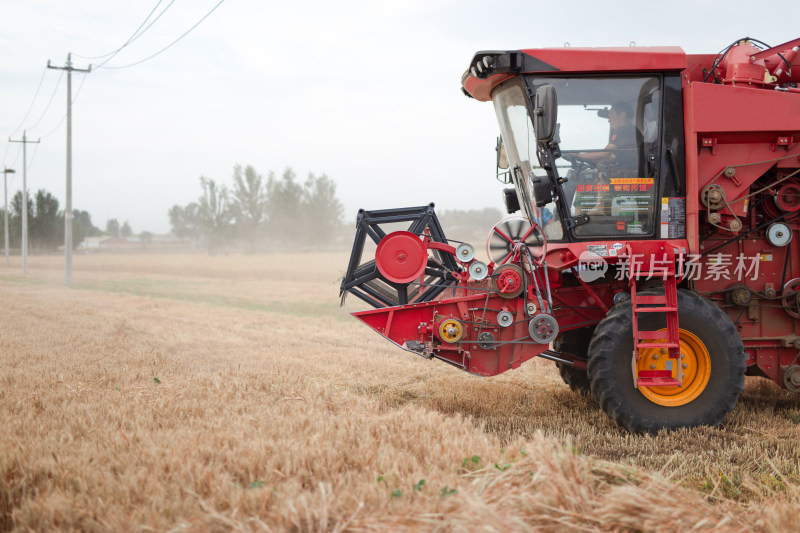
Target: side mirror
x,y
511,200
502,173
542,191
502,159
545,113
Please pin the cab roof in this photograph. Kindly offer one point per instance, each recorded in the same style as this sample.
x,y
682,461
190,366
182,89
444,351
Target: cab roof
x,y
489,68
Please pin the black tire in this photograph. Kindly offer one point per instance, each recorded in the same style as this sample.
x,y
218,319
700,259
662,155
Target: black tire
x,y
575,342
611,376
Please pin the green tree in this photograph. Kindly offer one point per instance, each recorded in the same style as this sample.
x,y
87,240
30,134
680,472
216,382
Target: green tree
x,y
82,227
112,227
45,223
284,205
214,214
183,221
321,210
15,219
125,231
249,204
46,229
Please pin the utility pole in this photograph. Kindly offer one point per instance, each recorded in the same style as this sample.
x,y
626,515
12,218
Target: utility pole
x,y
6,172
68,208
25,143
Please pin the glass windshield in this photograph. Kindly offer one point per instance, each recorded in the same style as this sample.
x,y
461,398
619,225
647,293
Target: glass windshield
x,y
609,129
510,102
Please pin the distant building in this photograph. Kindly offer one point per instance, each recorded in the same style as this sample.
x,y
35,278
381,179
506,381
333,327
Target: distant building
x,y
107,242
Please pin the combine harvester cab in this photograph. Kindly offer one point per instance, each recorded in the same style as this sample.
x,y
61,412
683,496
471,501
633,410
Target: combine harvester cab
x,y
651,256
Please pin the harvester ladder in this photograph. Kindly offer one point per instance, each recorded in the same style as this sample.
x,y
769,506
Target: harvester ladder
x,y
666,340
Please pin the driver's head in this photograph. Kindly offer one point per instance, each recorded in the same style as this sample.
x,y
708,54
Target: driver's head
x,y
620,114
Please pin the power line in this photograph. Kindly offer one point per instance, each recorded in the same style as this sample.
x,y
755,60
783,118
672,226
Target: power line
x,y
61,75
172,43
35,95
134,35
5,154
33,157
19,149
63,118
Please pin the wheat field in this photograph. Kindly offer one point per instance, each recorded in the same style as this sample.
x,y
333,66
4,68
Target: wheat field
x,y
231,393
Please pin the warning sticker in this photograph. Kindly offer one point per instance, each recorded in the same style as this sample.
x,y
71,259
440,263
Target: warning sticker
x,y
673,218
631,181
599,249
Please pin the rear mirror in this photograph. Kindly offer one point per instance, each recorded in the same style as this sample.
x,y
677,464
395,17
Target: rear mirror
x,y
545,113
502,159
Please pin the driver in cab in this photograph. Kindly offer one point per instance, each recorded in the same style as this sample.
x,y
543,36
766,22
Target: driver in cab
x,y
618,160
621,136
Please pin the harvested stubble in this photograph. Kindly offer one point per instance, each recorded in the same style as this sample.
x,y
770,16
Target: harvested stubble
x,y
229,393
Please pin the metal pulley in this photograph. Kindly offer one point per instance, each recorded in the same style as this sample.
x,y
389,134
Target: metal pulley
x,y
779,234
451,330
401,257
508,281
543,328
465,252
787,199
504,319
713,196
739,294
791,378
478,270
486,340
790,298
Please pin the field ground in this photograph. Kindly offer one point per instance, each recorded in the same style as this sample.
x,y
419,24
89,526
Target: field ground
x,y
231,393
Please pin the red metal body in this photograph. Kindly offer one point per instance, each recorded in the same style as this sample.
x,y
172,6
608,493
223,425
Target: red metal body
x,y
741,135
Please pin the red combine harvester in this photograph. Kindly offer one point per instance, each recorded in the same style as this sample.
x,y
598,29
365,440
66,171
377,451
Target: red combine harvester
x,y
652,258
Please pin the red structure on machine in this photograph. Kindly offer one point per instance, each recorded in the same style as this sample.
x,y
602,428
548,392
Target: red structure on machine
x,y
659,194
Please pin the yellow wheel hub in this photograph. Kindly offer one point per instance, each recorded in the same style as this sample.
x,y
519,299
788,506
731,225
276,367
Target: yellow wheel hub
x,y
451,330
695,364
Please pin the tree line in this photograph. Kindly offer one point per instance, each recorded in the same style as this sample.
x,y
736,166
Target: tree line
x,y
261,213
45,223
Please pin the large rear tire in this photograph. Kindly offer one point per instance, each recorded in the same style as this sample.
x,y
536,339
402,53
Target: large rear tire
x,y
574,342
713,362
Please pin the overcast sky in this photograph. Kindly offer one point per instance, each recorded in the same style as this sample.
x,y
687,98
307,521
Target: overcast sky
x,y
367,92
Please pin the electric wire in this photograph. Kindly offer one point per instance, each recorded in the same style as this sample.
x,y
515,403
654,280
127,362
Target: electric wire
x,y
5,153
33,157
19,150
58,83
170,44
33,101
134,35
74,99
